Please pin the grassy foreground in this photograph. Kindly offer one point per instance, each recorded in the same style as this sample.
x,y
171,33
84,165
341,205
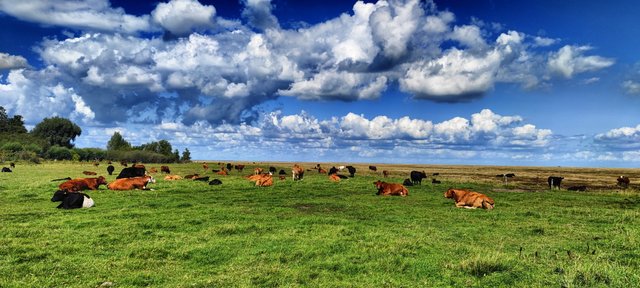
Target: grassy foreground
x,y
311,233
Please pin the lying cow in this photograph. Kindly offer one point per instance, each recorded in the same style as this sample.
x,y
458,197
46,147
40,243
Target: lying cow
x,y
407,182
262,180
172,177
131,183
133,171
469,199
215,182
6,169
577,188
89,173
388,189
81,184
72,200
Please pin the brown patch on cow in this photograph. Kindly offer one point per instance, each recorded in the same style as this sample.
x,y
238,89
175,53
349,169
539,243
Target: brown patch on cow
x,y
334,178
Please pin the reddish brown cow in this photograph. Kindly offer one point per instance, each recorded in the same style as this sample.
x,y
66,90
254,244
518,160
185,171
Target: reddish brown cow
x,y
469,199
322,171
239,167
297,172
205,166
131,183
222,172
165,169
334,178
385,173
89,173
153,170
257,171
262,180
390,189
80,184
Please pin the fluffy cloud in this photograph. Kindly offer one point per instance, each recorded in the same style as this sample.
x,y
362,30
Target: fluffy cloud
x,y
181,17
90,14
258,14
631,87
625,138
569,60
8,61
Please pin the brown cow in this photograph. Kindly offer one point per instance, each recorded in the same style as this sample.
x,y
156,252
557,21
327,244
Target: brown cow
x,y
89,173
222,172
131,183
297,172
205,166
257,171
469,199
385,173
334,178
192,176
623,181
153,170
262,180
239,167
390,189
172,177
80,184
96,164
322,171
165,169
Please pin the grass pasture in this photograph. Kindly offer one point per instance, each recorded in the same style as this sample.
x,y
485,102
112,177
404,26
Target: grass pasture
x,y
315,233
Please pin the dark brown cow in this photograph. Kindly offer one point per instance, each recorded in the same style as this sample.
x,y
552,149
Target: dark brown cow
x,y
239,167
373,168
385,173
469,199
165,169
89,173
623,181
205,166
80,184
390,189
131,183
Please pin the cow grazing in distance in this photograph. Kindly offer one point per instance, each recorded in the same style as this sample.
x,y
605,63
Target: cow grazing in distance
x,y
577,188
131,183
435,174
72,200
81,184
130,172
554,182
12,165
165,169
281,172
110,169
172,177
229,166
417,176
215,182
623,181
205,166
6,169
332,170
469,199
272,170
385,173
373,168
352,171
89,173
297,172
239,167
390,189
434,181
509,175
407,182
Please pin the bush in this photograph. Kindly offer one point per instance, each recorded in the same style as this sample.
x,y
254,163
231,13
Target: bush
x,y
12,147
59,153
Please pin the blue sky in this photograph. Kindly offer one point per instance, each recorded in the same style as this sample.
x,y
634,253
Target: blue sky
x,y
553,83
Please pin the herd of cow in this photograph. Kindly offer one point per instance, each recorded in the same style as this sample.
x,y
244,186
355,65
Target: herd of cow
x,y
71,195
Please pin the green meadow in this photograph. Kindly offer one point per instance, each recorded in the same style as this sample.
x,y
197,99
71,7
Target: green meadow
x,y
311,233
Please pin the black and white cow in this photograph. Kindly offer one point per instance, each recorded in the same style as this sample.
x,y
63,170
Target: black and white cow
x,y
6,169
72,200
554,182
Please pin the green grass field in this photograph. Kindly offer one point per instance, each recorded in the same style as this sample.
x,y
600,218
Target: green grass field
x,y
312,233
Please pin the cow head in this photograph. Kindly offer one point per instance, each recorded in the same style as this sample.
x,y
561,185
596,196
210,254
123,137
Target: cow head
x,y
101,181
450,193
378,184
59,196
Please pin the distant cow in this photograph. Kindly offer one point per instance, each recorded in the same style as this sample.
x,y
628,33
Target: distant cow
x,y
577,188
165,169
334,178
222,172
281,172
61,179
273,170
123,163
332,170
215,182
110,169
469,199
352,171
322,171
192,176
623,181
172,177
297,172
417,176
434,181
373,168
131,172
239,167
6,169
89,173
203,179
407,182
71,200
554,182
257,171
229,166
385,173
131,183
96,164
81,184
153,170
12,165
205,166
389,189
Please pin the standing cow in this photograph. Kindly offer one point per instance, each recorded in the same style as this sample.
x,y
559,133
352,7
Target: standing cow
x,y
298,172
352,171
110,169
554,182
623,181
417,176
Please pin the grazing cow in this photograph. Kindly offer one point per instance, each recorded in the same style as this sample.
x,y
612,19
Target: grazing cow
x,y
89,173
131,172
123,163
554,182
407,182
509,175
385,173
417,176
229,166
282,172
577,188
110,169
131,183
153,170
222,172
257,171
297,172
623,181
272,170
205,166
12,165
203,179
172,177
334,178
165,169
81,184
332,170
469,199
61,179
434,181
239,167
215,182
72,200
373,168
352,171
390,189
6,169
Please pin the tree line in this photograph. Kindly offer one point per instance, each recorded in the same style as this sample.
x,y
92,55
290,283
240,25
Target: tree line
x,y
52,139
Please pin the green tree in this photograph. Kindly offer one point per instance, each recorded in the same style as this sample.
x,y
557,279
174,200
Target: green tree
x,y
164,147
11,125
176,155
118,143
57,131
186,155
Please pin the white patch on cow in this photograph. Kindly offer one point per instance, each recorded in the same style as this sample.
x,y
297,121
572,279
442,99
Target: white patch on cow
x,y
87,202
